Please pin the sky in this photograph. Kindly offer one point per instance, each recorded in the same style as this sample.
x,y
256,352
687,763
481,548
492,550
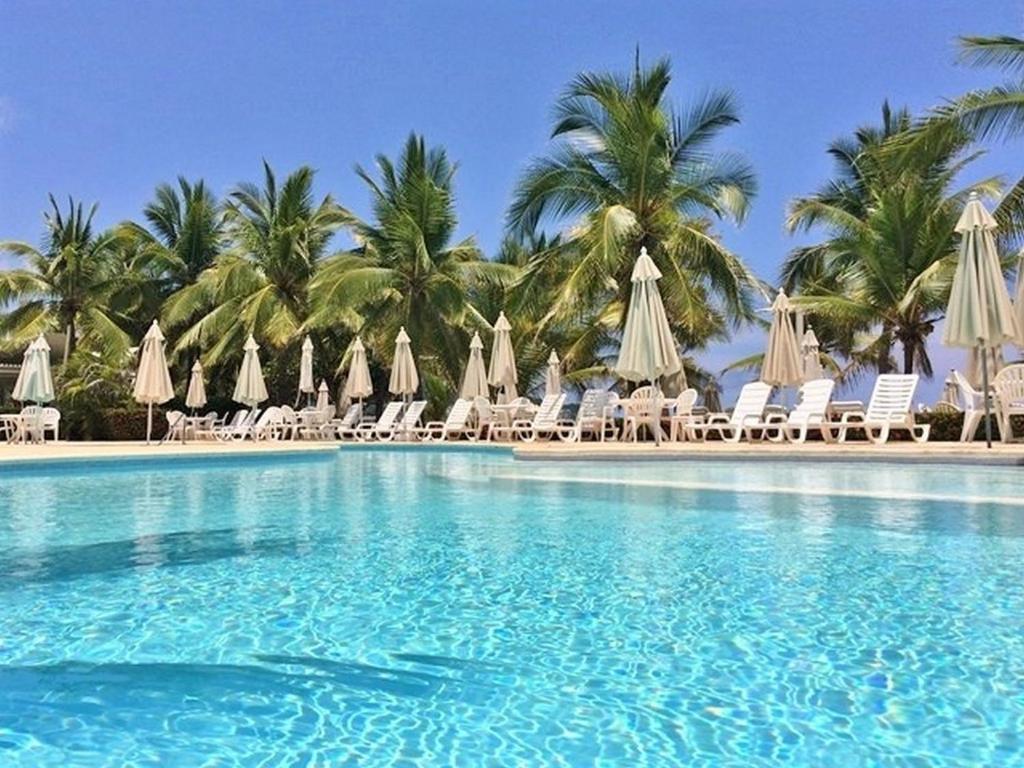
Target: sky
x,y
104,100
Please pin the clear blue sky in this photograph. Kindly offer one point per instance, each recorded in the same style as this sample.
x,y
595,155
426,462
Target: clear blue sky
x,y
103,100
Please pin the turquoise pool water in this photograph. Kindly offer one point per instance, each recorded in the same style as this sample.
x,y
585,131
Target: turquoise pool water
x,y
421,608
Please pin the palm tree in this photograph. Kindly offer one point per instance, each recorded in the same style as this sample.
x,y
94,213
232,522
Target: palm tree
x,y
185,233
405,270
883,273
996,112
258,283
627,171
67,284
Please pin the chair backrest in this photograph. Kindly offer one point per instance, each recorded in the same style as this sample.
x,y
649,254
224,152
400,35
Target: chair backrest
x,y
288,414
592,405
1009,384
51,417
642,393
685,402
174,418
31,411
272,415
892,396
751,403
970,398
390,415
548,411
814,399
482,406
458,414
351,417
239,418
411,418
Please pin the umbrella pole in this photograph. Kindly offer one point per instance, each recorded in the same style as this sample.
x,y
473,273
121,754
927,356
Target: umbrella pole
x,y
149,423
985,394
655,413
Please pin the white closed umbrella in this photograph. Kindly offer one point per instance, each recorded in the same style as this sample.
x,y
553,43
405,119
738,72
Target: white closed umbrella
x,y
474,380
501,372
980,315
810,356
1018,301
358,383
323,396
35,382
648,350
993,364
152,381
250,389
782,366
553,375
306,383
196,396
404,378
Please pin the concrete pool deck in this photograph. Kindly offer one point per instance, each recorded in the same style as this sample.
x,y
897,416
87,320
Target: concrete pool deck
x,y
903,452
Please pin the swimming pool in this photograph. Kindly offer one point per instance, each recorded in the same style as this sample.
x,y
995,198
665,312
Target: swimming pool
x,y
427,607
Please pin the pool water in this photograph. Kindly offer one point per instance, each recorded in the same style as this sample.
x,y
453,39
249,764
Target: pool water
x,y
416,608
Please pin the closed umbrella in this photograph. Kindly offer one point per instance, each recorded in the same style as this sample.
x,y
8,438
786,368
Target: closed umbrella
x,y
980,315
306,384
810,356
993,364
474,380
1018,301
358,384
404,378
502,371
250,389
553,376
323,397
782,366
196,395
35,382
648,350
153,380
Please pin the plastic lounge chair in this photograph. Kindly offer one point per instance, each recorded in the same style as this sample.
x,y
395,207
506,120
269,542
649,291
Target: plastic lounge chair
x,y
593,417
971,403
544,423
483,415
384,427
749,410
458,423
409,423
239,427
270,425
889,409
682,416
1008,386
810,413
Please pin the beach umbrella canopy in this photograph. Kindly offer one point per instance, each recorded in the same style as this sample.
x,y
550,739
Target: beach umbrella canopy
x,y
782,365
553,376
152,380
323,396
502,371
474,380
306,384
358,384
196,395
35,382
993,364
1018,301
980,315
250,389
810,356
404,378
648,350
950,391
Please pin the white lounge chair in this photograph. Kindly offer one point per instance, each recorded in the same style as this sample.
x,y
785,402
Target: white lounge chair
x,y
749,410
1008,386
410,423
239,427
458,423
269,426
810,413
345,428
971,402
889,409
384,427
682,414
593,418
544,424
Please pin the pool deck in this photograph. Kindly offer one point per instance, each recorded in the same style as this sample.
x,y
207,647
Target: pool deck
x,y
903,452
93,451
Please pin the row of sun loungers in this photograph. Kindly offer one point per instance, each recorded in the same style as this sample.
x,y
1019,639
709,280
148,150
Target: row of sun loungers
x,y
600,415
